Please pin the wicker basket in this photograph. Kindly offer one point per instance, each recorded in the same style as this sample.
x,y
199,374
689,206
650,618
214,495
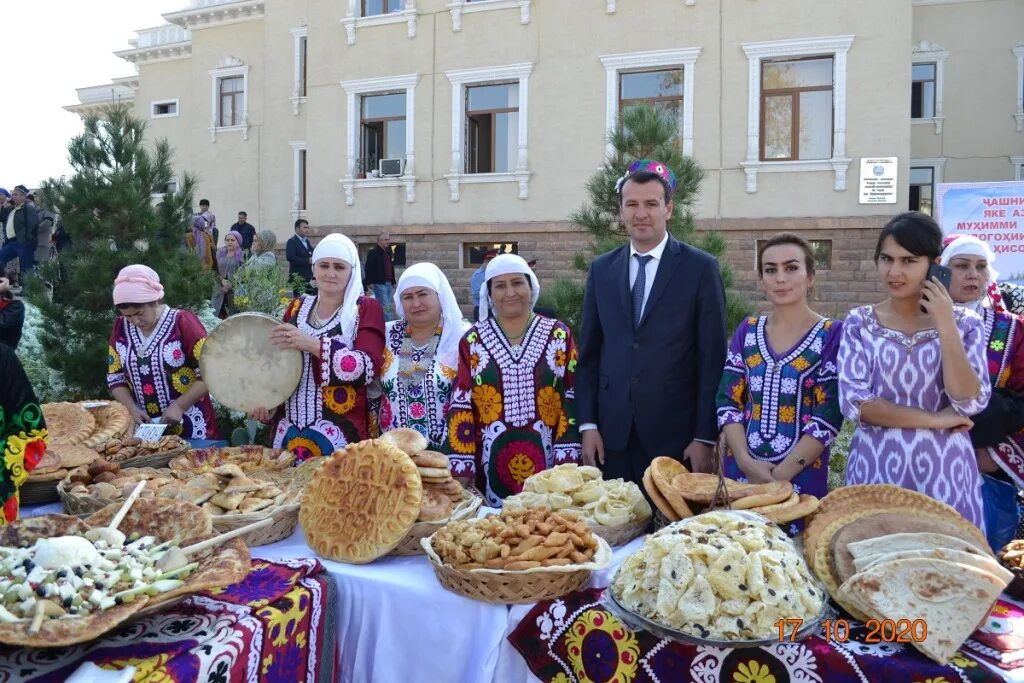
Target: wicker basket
x,y
285,516
155,460
623,534
267,458
411,545
39,492
660,520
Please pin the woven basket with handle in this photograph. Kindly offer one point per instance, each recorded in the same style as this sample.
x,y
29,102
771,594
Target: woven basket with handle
x,y
410,545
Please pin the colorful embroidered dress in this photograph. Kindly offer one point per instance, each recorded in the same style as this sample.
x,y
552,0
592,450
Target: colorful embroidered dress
x,y
512,412
779,398
1005,335
22,431
880,362
161,368
329,410
416,386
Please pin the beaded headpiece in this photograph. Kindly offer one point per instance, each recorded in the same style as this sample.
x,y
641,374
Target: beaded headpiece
x,y
651,166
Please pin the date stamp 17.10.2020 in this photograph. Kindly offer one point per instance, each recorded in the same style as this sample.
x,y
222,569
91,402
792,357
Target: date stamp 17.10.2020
x,y
876,630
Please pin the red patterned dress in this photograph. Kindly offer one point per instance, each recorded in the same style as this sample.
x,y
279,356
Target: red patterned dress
x,y
1005,354
512,410
161,368
22,432
329,410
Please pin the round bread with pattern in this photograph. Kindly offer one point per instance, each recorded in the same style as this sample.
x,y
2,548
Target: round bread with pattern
x,y
409,441
68,423
112,420
361,503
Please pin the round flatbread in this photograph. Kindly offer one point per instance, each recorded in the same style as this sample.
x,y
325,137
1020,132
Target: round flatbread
x,y
657,498
54,475
435,506
67,423
663,470
789,502
431,459
759,495
439,473
409,441
360,503
806,504
73,455
112,420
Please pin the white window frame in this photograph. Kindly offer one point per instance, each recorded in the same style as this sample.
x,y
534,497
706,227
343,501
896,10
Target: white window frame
x,y
459,7
228,68
368,86
613,5
299,34
158,196
297,210
1019,114
353,19
835,46
155,103
1018,167
615,65
460,79
938,166
928,53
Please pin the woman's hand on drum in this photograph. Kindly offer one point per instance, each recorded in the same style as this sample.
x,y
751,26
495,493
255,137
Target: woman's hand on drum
x,y
260,414
288,336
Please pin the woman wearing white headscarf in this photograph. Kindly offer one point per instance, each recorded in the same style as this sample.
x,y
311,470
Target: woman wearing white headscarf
x,y
997,435
341,335
421,354
512,410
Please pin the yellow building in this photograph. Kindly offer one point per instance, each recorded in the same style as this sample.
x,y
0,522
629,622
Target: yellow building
x,y
456,124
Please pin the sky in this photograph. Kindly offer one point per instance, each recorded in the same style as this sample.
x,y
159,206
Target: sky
x,y
66,44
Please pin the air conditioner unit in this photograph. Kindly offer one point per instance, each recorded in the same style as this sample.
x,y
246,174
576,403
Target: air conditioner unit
x,y
390,168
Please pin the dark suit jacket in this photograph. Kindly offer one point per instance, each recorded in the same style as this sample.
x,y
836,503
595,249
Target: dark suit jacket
x,y
299,258
376,270
663,376
26,224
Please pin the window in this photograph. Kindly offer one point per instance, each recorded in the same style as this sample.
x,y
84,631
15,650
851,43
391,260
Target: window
x,y
374,7
229,98
661,77
1018,52
662,89
459,7
381,130
1018,167
922,91
300,60
822,254
168,188
926,84
473,252
298,180
489,127
377,13
492,123
164,109
922,188
796,109
380,125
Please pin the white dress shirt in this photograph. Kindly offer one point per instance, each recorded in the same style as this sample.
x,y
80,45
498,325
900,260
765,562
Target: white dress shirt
x,y
650,270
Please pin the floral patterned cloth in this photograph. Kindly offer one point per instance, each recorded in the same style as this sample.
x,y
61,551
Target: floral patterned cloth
x,y
162,368
1005,336
781,397
22,431
573,639
330,409
276,625
408,401
512,409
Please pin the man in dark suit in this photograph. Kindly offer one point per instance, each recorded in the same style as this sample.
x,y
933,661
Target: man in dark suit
x,y
652,340
299,253
379,274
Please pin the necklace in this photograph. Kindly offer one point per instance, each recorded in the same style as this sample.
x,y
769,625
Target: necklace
x,y
512,339
317,321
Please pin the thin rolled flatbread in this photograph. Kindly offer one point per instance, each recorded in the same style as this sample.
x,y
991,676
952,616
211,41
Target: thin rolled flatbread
x,y
982,562
893,543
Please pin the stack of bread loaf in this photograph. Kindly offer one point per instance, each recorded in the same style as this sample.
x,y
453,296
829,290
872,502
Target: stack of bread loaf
x,y
441,493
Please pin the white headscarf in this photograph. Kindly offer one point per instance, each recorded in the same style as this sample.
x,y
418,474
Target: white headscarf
x,y
969,245
506,264
430,276
340,247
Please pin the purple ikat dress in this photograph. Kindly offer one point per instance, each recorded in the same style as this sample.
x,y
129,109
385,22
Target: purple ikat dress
x,y
879,362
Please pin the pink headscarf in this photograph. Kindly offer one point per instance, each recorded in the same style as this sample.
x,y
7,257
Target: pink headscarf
x,y
137,284
222,253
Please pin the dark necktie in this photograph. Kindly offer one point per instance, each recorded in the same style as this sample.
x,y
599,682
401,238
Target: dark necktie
x,y
639,285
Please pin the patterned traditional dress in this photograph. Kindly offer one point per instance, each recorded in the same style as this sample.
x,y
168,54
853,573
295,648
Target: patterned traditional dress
x,y
781,397
879,362
416,386
512,411
22,431
1005,350
329,410
161,368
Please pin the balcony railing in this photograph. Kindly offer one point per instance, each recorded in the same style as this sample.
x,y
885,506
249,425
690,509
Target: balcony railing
x,y
168,34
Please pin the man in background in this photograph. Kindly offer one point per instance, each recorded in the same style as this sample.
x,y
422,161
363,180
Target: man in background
x,y
299,253
477,279
211,220
245,229
379,274
12,316
20,229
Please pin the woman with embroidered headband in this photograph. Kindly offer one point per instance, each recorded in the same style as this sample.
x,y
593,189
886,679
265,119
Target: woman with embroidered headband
x,y
153,359
422,355
512,409
341,336
910,376
997,435
778,401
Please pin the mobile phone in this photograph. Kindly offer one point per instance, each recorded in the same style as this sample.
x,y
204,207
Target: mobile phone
x,y
944,274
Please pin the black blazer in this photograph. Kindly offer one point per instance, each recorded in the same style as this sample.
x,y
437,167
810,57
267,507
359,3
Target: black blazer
x,y
376,272
300,258
663,376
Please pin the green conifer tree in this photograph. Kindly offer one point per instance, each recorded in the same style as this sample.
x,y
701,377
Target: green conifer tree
x,y
107,208
643,133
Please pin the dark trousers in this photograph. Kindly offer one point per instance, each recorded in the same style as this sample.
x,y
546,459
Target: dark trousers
x,y
15,250
629,464
476,313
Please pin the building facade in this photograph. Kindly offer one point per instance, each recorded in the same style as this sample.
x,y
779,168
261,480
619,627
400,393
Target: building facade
x,y
462,124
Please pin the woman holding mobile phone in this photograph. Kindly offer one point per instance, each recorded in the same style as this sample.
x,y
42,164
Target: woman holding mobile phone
x,y
912,370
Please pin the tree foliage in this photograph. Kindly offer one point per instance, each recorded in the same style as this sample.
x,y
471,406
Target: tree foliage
x,y
643,132
107,208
